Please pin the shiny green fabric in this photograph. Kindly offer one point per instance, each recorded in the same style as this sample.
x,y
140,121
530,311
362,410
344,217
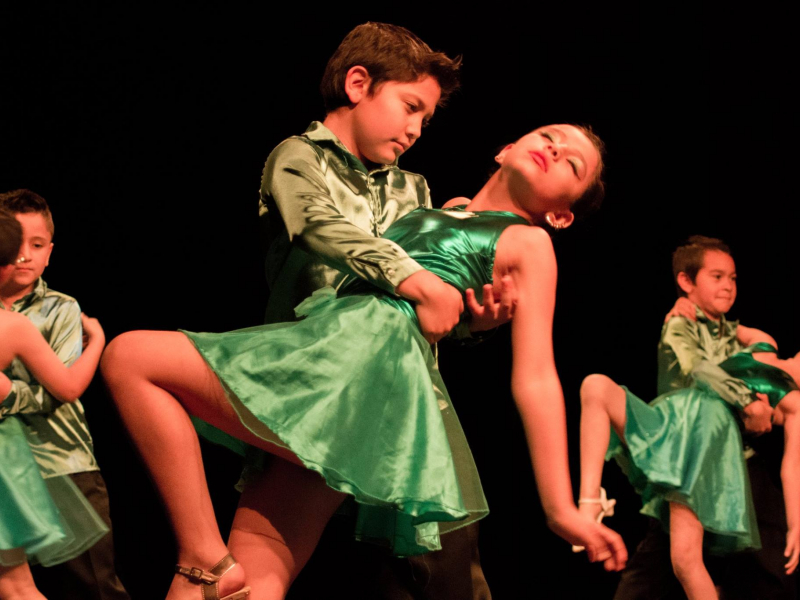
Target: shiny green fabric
x,y
57,432
685,343
323,212
353,391
686,447
41,521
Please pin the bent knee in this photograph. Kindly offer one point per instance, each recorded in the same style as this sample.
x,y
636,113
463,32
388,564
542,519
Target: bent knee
x,y
596,387
122,355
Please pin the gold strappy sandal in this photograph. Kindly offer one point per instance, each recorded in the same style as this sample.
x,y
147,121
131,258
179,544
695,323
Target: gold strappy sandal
x,y
210,579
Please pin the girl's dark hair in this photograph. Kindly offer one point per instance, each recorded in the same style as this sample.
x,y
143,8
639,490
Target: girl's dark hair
x,y
592,198
388,53
10,238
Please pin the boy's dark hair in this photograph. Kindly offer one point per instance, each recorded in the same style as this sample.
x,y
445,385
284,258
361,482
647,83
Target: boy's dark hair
x,y
10,238
688,257
25,201
388,53
592,198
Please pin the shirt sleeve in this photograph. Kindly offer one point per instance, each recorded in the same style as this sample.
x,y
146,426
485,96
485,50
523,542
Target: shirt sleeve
x,y
680,351
294,178
732,390
28,396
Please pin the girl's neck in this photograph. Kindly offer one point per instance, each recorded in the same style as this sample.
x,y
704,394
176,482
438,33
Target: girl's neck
x,y
494,196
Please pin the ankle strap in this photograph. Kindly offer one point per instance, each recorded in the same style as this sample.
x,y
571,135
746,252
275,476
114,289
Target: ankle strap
x,y
209,577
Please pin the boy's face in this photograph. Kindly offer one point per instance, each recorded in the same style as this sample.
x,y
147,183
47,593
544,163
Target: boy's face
x,y
388,121
714,288
34,254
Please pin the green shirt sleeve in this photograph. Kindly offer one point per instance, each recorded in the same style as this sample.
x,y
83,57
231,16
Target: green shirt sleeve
x,y
312,199
28,396
685,344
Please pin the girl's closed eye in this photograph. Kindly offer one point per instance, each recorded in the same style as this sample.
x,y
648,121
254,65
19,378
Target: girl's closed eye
x,y
574,164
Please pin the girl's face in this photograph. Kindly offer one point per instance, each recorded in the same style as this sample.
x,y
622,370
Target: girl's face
x,y
550,168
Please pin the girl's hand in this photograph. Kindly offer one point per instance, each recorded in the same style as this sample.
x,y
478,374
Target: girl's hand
x,y
493,312
602,544
792,551
92,331
683,308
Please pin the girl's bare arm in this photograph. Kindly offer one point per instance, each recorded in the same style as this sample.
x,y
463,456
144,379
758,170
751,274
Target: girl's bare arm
x,y
64,383
526,254
789,408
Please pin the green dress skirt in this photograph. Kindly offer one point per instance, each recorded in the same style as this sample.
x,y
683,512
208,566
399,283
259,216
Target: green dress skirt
x,y
42,521
353,390
686,447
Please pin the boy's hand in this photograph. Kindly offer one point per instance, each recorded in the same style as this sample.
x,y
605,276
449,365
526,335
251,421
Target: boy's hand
x,y
683,308
439,305
758,415
492,313
92,331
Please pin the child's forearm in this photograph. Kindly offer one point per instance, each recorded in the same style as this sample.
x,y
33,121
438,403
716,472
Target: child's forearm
x,y
790,475
541,407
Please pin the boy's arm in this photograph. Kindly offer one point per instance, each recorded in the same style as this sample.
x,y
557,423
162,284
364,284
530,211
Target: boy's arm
x,y
66,340
293,177
679,352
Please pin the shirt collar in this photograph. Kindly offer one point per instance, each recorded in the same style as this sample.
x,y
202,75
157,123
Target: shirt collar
x,y
321,135
38,292
716,328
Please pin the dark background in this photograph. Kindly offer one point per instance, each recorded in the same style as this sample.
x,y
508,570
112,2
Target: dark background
x,y
147,131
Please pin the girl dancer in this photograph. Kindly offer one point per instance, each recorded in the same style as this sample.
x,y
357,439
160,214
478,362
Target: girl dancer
x,y
349,391
683,454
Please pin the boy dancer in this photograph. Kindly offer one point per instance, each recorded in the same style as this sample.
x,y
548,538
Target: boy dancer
x,y
57,432
326,197
705,275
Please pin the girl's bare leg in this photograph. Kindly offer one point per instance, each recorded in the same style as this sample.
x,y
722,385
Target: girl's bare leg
x,y
274,534
602,406
16,583
686,552
157,379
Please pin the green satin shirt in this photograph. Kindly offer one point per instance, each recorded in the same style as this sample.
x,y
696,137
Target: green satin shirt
x,y
684,344
57,432
323,212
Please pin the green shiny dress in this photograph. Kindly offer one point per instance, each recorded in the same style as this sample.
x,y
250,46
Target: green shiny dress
x,y
353,391
686,447
42,521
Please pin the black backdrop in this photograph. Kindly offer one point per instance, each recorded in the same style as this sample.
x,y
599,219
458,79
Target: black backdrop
x,y
146,131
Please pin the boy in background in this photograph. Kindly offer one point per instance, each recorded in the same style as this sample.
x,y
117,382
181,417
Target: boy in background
x,y
58,433
326,198
696,330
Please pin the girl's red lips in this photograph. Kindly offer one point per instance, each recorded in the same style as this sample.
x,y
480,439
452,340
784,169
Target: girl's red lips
x,y
539,159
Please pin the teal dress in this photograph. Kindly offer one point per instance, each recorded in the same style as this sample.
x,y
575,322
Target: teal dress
x,y
42,521
353,391
686,447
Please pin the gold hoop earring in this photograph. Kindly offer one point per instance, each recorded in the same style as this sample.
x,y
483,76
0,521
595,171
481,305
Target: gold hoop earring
x,y
551,220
